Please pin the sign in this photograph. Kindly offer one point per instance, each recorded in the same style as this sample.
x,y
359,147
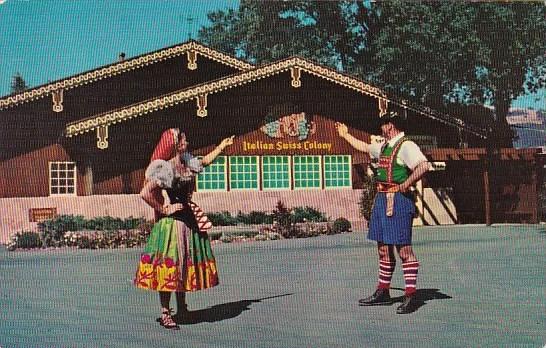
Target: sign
x,y
41,214
294,125
286,145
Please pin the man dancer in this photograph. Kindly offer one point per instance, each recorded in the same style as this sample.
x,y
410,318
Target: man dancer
x,y
401,165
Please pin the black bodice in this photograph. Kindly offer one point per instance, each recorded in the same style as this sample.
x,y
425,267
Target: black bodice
x,y
181,193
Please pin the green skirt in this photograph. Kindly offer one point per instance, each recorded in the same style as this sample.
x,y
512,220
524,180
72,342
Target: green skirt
x,y
176,258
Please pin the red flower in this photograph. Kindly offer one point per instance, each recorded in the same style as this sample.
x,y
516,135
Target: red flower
x,y
169,262
145,258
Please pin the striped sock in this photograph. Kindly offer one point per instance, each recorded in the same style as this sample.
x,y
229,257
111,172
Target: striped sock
x,y
386,269
410,276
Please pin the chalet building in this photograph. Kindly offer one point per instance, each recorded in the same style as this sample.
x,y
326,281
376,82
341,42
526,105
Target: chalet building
x,y
80,145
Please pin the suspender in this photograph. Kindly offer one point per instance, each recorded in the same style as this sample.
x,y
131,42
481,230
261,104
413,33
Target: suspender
x,y
392,158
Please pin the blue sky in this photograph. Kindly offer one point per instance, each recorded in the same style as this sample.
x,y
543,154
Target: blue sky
x,y
46,40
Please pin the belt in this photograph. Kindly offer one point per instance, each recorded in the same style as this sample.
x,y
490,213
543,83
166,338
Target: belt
x,y
389,188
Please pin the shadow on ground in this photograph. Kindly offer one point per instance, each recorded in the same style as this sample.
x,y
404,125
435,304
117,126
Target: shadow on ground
x,y
220,312
422,296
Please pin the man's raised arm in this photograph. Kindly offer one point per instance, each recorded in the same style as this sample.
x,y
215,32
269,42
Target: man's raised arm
x,y
343,132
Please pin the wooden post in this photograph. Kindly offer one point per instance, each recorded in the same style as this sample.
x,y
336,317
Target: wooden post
x,y
487,195
88,180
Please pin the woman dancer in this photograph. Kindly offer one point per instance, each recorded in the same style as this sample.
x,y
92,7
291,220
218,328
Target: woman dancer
x,y
178,256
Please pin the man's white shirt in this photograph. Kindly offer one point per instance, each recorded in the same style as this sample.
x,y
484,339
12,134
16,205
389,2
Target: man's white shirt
x,y
409,155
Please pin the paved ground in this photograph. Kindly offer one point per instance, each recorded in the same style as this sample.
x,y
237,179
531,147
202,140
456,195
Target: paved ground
x,y
480,287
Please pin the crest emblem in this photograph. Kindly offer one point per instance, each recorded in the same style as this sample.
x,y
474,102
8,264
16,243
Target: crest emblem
x,y
293,125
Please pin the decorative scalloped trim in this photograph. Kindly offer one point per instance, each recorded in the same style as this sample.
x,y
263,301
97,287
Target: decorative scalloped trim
x,y
121,67
245,77
220,85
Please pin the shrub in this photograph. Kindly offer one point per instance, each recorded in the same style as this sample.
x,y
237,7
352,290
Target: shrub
x,y
25,240
222,219
341,225
366,199
282,216
87,242
105,223
71,238
255,218
52,231
308,214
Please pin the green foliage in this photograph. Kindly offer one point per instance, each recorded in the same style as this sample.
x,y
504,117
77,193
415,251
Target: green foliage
x,y
431,52
303,214
25,240
107,223
18,84
222,219
52,231
341,225
55,232
282,215
329,32
367,197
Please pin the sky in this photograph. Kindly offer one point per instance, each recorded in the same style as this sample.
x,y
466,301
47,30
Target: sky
x,y
47,40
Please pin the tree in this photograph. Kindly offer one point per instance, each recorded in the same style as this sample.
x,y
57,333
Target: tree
x,y
18,84
423,50
482,53
513,36
261,32
435,53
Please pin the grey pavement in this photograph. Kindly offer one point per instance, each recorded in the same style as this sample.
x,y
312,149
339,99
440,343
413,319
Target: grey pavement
x,y
479,287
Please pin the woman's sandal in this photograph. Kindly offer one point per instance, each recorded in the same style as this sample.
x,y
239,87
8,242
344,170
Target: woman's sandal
x,y
167,321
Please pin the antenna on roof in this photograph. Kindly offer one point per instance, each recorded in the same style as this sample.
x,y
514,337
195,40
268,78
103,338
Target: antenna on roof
x,y
189,20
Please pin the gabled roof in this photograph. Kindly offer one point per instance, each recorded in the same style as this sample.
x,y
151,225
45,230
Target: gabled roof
x,y
245,77
119,68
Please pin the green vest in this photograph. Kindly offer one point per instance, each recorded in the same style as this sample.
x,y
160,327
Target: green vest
x,y
389,170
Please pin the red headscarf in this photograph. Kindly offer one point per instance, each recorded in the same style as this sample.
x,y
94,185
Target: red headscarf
x,y
165,148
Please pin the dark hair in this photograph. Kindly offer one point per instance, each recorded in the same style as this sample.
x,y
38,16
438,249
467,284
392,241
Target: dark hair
x,y
399,121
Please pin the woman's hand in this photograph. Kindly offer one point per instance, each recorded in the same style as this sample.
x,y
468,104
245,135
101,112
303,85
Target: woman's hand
x,y
342,129
169,209
403,188
209,158
226,142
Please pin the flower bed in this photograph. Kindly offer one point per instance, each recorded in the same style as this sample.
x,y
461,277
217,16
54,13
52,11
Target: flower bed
x,y
108,233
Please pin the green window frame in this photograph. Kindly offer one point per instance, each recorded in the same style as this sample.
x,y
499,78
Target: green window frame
x,y
214,176
307,172
337,171
62,178
244,173
276,173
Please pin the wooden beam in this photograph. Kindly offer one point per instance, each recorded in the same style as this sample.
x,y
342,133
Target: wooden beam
x,y
487,195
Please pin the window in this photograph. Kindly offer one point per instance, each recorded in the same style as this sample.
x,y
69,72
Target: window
x,y
243,172
337,171
62,178
276,172
307,172
213,177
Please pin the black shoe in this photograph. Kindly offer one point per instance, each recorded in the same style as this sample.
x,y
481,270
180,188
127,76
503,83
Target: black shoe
x,y
380,297
409,305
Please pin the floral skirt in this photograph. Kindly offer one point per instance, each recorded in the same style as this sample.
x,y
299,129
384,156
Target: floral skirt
x,y
176,258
